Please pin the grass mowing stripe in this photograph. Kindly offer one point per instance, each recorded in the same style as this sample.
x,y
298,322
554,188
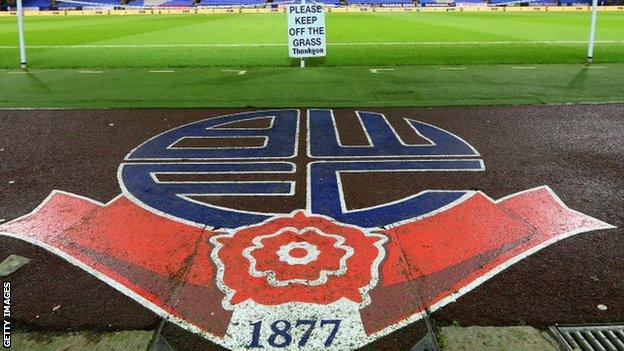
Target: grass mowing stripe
x,y
247,45
291,87
354,39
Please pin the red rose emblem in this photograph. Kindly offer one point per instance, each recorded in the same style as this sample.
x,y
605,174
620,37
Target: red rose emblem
x,y
301,258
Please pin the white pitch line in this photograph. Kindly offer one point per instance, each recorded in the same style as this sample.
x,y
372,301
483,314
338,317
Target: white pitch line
x,y
596,67
240,72
377,70
19,72
233,45
162,71
524,67
90,72
453,68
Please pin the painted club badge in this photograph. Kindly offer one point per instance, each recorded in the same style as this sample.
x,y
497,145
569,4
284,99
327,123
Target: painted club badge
x,y
309,264
199,217
300,258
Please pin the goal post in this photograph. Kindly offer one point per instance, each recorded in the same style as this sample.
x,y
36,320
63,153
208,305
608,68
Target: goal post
x,y
592,32
20,33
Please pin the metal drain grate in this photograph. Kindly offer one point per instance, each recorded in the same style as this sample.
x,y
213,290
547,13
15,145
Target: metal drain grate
x,y
589,337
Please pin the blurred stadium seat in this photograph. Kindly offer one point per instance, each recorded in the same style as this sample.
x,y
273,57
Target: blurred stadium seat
x,y
380,2
231,2
93,4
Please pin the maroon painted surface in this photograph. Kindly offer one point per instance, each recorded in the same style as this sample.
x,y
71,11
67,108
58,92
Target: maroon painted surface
x,y
576,150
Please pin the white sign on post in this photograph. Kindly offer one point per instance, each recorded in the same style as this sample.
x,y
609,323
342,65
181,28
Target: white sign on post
x,y
306,30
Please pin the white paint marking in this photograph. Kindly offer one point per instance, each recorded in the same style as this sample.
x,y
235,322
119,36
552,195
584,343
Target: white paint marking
x,y
240,72
311,253
453,68
501,267
596,103
182,220
364,291
162,71
19,72
323,275
349,336
90,72
370,142
592,67
187,325
230,45
377,70
524,67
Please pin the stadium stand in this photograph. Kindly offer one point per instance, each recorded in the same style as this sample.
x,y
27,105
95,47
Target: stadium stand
x,y
328,2
37,3
543,2
537,2
463,3
102,2
47,4
62,5
231,2
380,2
176,3
51,4
436,3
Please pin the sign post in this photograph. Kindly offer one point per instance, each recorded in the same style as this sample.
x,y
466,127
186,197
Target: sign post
x,y
306,31
20,30
592,33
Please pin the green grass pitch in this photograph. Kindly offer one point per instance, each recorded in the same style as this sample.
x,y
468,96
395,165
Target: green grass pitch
x,y
354,39
432,59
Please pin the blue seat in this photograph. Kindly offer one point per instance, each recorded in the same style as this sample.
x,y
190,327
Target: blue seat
x,y
470,2
36,3
436,2
381,2
176,3
232,2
